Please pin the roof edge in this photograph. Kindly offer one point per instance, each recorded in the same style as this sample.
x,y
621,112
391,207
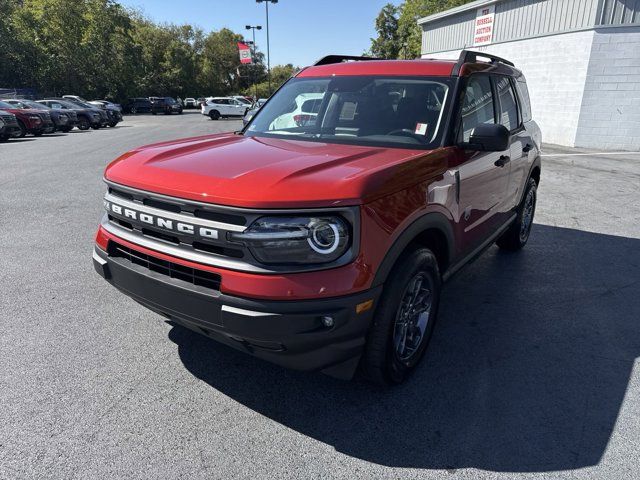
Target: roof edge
x,y
456,10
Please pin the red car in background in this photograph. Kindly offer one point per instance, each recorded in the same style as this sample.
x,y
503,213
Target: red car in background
x,y
35,122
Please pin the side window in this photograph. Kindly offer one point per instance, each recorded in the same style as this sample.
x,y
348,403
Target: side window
x,y
508,105
477,105
525,102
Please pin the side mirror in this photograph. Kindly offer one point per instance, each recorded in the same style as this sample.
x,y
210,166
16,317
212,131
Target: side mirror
x,y
489,137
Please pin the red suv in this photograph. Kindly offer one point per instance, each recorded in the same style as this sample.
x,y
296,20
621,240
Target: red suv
x,y
323,245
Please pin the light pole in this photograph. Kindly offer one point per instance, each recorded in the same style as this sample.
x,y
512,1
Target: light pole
x,y
267,2
253,55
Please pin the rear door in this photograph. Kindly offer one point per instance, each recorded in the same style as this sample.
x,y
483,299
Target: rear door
x,y
521,143
483,176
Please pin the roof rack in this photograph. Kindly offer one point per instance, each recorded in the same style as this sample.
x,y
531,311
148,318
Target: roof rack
x,y
468,56
329,59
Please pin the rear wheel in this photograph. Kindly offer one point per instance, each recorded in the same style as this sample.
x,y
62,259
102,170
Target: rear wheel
x,y
404,320
214,114
517,234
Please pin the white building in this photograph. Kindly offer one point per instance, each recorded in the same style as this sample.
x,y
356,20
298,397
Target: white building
x,y
581,59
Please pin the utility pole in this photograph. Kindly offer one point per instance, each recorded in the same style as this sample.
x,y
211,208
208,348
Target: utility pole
x,y
253,55
267,2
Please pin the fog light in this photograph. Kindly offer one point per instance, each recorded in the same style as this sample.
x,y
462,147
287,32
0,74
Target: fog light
x,y
327,321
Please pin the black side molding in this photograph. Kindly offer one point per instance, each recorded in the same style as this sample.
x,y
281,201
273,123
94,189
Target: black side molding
x,y
469,56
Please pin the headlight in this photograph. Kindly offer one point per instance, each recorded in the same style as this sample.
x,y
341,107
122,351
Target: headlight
x,y
35,118
296,240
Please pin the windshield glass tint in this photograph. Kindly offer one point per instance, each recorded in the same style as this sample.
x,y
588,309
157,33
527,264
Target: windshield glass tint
x,y
4,105
391,111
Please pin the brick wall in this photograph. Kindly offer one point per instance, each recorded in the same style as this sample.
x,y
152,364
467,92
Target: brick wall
x,y
610,110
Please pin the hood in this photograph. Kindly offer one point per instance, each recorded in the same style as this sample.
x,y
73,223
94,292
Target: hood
x,y
255,172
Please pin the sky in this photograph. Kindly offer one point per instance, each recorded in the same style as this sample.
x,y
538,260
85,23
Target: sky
x,y
301,31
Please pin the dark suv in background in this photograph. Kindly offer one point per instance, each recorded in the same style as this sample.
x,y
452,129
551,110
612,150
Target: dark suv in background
x,y
87,117
166,105
137,105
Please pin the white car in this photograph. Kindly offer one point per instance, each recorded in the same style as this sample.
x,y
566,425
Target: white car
x,y
305,113
190,103
242,99
218,107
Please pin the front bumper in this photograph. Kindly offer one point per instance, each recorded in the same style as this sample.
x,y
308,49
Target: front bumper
x,y
288,333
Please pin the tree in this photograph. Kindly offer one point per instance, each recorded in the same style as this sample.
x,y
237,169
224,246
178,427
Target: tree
x,y
399,34
279,75
387,44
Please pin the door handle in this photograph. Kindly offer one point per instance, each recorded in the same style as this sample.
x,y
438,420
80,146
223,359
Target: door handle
x,y
502,161
527,148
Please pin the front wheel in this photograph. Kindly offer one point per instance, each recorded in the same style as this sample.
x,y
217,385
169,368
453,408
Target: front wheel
x,y
404,320
23,129
517,234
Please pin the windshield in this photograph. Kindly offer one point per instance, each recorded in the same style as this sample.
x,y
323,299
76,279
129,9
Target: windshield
x,y
5,105
362,110
36,105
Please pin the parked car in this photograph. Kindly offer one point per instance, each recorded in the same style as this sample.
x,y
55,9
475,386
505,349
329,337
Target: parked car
x,y
221,107
324,245
108,104
243,99
306,109
62,120
166,105
137,105
8,126
190,103
201,101
114,115
105,117
35,122
86,117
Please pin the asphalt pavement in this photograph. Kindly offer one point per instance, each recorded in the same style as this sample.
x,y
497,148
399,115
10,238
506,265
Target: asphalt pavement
x,y
533,369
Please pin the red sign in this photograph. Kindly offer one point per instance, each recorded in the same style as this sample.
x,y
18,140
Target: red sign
x,y
245,53
483,33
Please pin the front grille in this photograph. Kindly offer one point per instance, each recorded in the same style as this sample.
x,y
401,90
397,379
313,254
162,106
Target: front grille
x,y
172,270
46,118
9,119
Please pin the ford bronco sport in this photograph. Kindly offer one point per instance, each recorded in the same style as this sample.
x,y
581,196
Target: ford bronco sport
x,y
322,245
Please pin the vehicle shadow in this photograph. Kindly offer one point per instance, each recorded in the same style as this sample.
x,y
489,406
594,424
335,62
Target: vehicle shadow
x,y
527,369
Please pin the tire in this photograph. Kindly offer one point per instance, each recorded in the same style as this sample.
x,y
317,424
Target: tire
x,y
214,115
96,126
4,138
134,110
113,124
153,113
83,124
387,360
23,129
65,130
37,134
517,234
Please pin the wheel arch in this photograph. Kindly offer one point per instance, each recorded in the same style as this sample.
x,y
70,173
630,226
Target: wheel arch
x,y
433,231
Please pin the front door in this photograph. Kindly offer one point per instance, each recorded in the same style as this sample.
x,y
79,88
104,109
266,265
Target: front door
x,y
483,176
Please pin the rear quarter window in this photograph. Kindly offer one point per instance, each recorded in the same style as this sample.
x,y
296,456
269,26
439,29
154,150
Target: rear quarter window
x,y
525,101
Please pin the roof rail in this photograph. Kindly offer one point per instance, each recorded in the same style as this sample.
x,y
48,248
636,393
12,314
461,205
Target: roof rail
x,y
468,56
329,59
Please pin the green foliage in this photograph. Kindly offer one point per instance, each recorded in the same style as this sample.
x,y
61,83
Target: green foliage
x,y
279,75
388,43
405,39
98,49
